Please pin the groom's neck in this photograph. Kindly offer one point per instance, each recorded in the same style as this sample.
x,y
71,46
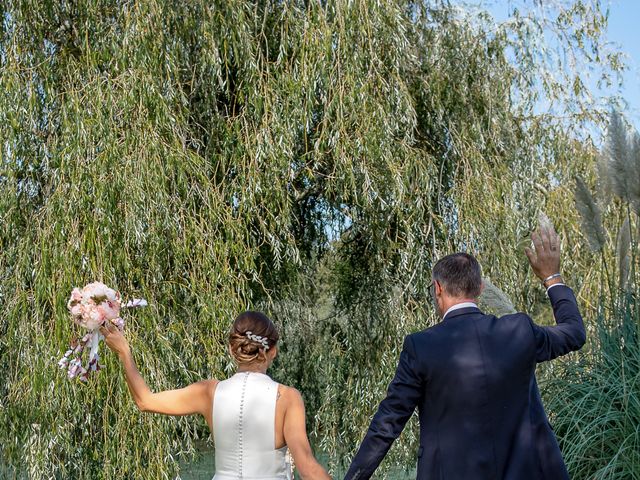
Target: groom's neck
x,y
449,302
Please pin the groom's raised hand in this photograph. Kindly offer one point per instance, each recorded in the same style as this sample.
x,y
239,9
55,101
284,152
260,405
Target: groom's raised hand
x,y
545,255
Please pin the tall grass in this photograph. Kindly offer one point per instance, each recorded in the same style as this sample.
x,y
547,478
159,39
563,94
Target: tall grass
x,y
595,401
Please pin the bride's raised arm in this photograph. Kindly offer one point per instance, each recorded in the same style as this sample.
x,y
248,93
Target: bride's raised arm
x,y
195,398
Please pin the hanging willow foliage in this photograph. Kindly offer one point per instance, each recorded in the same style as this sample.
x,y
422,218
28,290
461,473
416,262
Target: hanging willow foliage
x,y
311,158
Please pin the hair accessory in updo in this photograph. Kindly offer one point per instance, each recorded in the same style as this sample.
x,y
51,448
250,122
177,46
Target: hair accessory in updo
x,y
257,338
252,337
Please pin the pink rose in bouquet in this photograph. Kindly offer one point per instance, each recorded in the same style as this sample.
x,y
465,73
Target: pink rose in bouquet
x,y
94,304
90,307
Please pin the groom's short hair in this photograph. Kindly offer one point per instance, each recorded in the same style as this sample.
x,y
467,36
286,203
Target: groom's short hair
x,y
459,274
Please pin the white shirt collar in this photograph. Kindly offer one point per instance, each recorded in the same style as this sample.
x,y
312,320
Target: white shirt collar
x,y
458,306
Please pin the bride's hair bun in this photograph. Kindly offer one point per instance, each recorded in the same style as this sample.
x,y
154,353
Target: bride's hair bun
x,y
252,334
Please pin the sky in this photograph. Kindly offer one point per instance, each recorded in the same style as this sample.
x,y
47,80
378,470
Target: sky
x,y
623,31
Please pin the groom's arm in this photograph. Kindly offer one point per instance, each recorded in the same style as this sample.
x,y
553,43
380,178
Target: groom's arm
x,y
402,397
568,334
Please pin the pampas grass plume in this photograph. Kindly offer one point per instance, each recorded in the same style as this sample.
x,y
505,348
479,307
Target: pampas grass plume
x,y
617,154
590,216
495,300
634,172
605,189
544,223
619,162
623,253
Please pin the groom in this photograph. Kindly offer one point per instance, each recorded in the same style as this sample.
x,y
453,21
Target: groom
x,y
472,377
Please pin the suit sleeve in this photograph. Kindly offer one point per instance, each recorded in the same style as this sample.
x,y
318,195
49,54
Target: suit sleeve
x,y
568,334
403,395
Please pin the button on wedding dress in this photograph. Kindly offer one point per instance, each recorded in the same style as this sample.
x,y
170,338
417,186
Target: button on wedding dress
x,y
244,410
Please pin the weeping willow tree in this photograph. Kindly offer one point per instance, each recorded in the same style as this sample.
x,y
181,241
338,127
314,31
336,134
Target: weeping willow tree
x,y
309,158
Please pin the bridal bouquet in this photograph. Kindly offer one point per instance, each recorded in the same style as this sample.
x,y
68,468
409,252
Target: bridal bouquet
x,y
90,307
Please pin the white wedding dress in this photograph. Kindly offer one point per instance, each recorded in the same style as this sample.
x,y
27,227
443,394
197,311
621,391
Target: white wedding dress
x,y
244,410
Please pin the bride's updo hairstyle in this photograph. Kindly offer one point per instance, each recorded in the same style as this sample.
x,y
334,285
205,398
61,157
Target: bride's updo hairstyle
x,y
252,334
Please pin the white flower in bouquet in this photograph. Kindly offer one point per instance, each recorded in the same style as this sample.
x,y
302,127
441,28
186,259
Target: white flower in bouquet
x,y
94,304
90,307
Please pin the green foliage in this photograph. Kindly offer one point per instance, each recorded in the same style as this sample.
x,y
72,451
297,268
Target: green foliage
x,y
595,401
595,398
310,158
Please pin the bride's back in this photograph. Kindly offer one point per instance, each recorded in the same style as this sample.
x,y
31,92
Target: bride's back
x,y
254,419
245,428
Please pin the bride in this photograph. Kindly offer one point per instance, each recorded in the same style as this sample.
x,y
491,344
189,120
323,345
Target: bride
x,y
253,419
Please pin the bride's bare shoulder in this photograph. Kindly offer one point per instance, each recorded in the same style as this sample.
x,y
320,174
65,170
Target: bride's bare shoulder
x,y
209,385
289,394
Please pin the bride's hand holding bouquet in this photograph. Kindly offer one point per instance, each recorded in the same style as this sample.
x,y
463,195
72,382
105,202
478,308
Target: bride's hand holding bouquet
x,y
92,308
115,340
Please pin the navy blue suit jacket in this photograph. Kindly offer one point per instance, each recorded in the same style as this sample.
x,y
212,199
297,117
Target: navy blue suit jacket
x,y
472,377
